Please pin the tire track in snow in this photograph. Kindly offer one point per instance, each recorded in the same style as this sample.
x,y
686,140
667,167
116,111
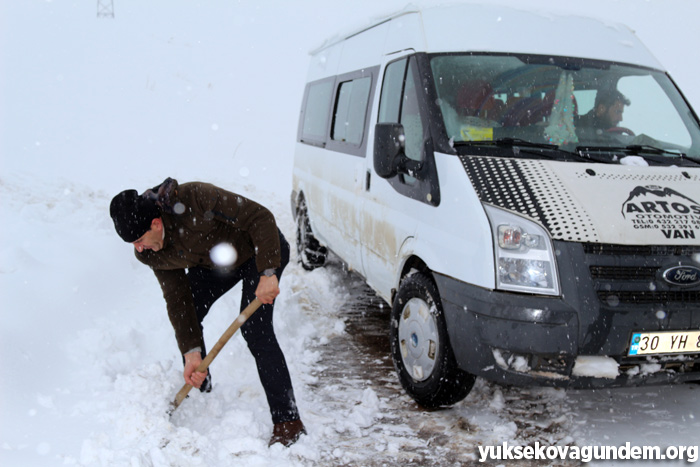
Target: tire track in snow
x,y
370,421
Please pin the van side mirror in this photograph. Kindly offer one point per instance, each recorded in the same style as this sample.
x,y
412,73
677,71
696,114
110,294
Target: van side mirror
x,y
389,152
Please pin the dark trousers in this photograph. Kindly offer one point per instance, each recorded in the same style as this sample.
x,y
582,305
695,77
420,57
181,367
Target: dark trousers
x,y
208,285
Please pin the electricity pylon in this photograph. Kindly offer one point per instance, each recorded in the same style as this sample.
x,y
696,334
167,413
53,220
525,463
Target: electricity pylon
x,y
105,8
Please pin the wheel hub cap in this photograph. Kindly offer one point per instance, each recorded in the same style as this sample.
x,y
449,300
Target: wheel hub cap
x,y
418,339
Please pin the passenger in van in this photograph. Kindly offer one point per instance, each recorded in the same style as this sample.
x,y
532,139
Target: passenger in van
x,y
475,99
474,106
606,112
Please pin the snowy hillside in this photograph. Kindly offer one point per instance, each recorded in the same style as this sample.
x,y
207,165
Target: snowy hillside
x,y
210,91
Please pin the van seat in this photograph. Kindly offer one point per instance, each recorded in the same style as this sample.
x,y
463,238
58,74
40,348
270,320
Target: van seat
x,y
531,110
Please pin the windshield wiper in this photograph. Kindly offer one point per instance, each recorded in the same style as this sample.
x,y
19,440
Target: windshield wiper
x,y
648,152
510,142
631,149
522,146
653,150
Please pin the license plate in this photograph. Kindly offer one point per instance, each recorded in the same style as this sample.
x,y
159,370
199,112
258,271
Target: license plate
x,y
668,342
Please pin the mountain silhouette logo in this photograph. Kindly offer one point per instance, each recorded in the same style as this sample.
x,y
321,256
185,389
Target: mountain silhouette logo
x,y
661,205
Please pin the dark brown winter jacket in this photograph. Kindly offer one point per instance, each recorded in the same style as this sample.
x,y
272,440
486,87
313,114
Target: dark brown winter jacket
x,y
196,217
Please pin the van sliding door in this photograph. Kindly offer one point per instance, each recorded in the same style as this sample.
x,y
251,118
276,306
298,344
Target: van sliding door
x,y
334,196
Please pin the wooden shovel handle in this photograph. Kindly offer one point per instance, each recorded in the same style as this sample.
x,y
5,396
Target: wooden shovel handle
x,y
237,323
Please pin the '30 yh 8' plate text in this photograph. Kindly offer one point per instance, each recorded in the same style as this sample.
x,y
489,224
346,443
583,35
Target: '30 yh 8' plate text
x,y
658,343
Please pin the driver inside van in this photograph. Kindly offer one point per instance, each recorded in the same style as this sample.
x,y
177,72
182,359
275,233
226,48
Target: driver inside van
x,y
607,110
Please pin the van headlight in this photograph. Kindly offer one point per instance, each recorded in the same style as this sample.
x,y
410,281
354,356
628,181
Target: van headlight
x,y
524,254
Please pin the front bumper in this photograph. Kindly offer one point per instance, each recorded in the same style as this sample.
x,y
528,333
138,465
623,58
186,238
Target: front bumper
x,y
523,339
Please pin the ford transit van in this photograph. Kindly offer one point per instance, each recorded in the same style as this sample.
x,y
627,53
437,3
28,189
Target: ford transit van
x,y
522,188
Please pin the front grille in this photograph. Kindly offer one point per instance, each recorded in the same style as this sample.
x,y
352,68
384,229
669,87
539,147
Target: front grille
x,y
640,250
613,298
631,275
623,273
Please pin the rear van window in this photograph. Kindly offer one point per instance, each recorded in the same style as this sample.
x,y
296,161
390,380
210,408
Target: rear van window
x,y
316,106
351,110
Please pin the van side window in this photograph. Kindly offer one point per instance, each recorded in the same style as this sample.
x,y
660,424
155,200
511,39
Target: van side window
x,y
316,111
392,88
404,100
399,104
351,110
410,118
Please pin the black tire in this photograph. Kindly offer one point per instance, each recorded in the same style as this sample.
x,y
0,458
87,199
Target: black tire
x,y
310,253
421,349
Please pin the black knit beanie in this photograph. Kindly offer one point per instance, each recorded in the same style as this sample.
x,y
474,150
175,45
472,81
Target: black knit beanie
x,y
132,214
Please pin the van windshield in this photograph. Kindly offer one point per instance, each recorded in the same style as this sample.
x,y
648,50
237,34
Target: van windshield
x,y
573,105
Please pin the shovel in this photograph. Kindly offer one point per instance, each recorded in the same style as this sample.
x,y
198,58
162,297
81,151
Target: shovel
x,y
237,323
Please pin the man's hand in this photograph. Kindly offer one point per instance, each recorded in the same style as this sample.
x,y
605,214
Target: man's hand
x,y
192,377
268,289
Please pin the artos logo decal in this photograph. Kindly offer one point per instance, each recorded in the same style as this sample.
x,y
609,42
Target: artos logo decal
x,y
672,214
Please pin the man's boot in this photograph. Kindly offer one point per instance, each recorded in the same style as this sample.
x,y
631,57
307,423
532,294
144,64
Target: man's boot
x,y
287,433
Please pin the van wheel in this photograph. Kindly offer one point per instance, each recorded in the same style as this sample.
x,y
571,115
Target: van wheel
x,y
421,349
309,251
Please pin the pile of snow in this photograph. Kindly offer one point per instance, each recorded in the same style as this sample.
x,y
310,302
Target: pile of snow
x,y
596,366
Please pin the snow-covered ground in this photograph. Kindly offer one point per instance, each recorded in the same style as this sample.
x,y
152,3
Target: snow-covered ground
x,y
210,91
94,364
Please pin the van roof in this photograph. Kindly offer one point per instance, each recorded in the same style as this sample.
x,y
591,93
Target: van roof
x,y
492,28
